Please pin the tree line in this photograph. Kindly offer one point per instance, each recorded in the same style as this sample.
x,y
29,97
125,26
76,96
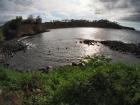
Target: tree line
x,y
83,23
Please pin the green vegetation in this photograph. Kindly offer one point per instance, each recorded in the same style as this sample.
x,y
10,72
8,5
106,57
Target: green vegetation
x,y
11,28
99,82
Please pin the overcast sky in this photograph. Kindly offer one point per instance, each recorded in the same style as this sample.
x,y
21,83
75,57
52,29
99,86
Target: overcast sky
x,y
71,9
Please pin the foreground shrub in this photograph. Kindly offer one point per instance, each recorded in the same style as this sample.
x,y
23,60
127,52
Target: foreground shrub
x,y
113,87
98,83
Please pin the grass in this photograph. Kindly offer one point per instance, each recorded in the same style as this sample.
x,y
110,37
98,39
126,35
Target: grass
x,y
98,83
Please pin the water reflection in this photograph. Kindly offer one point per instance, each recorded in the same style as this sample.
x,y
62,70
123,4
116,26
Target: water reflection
x,y
88,33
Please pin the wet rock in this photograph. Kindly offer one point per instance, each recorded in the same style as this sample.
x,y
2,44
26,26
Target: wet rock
x,y
89,42
46,69
68,59
81,65
49,51
50,67
74,64
80,41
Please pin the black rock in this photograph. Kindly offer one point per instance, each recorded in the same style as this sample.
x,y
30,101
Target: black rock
x,y
74,64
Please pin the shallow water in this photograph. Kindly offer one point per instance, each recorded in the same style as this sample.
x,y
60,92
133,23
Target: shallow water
x,y
61,46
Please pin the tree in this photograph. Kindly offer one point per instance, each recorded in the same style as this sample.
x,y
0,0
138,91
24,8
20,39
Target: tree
x,y
30,19
38,19
19,18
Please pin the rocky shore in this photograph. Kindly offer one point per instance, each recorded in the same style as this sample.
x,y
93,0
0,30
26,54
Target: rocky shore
x,y
117,46
9,48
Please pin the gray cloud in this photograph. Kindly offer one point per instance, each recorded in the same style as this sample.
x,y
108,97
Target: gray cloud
x,y
9,9
14,5
110,9
121,9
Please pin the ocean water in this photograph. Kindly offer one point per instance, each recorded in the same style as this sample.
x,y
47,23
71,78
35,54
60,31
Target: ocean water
x,y
134,24
61,47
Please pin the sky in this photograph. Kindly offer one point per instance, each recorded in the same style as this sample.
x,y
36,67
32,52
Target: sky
x,y
127,10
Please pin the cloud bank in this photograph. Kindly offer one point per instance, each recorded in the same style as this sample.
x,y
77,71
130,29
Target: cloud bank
x,y
117,9
68,9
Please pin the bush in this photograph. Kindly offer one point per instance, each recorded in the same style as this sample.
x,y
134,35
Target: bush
x,y
116,85
98,83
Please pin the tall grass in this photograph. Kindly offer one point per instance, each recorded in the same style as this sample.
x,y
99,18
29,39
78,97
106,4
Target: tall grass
x,y
98,83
